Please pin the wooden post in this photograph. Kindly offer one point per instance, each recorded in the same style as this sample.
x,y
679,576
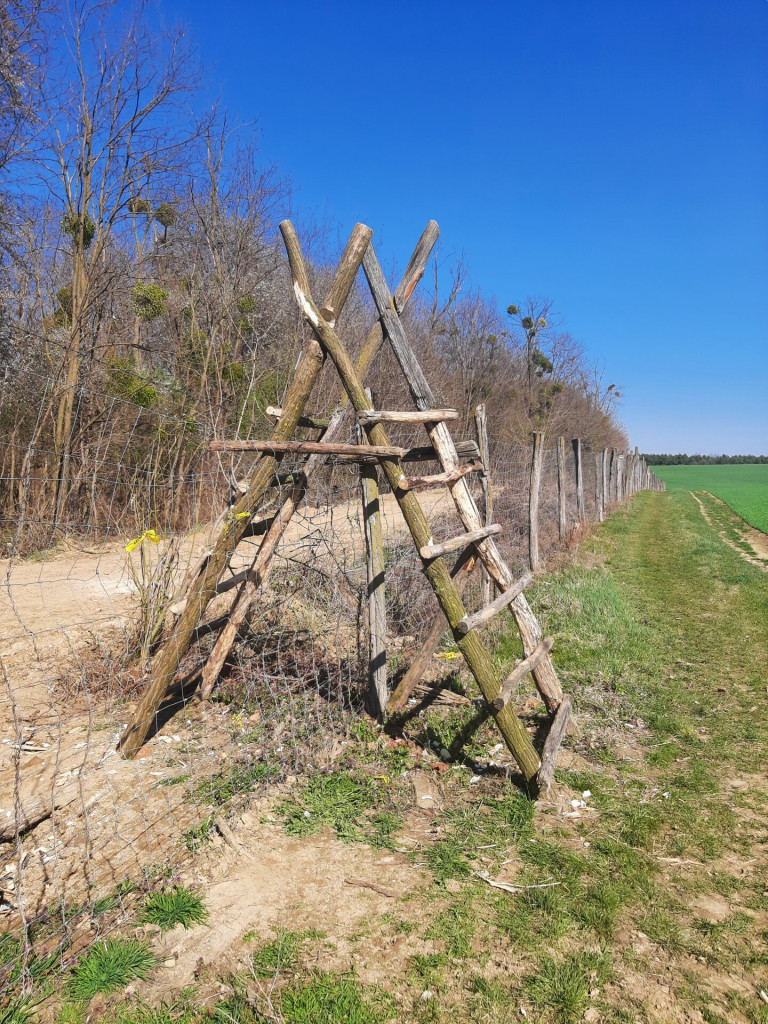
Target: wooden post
x,y
599,490
576,442
199,594
544,675
533,501
606,480
477,657
613,478
620,478
481,425
562,517
377,606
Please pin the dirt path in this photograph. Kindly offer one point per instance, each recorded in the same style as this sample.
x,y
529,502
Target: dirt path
x,y
748,535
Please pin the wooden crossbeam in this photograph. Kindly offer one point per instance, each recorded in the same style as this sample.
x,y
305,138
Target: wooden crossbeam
x,y
526,622
521,671
307,448
482,617
477,657
426,453
457,543
369,416
413,483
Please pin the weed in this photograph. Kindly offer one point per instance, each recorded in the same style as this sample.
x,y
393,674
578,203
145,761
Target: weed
x,y
331,999
283,953
199,835
174,906
564,987
110,965
455,926
338,800
242,778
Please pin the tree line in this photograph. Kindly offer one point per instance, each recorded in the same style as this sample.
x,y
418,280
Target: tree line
x,y
705,460
145,302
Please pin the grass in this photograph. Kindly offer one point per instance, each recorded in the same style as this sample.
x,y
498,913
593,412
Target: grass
x,y
283,953
171,907
744,488
333,999
338,801
109,966
563,987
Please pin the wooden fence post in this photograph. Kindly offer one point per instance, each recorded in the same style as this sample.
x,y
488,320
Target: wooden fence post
x,y
598,487
377,607
576,442
562,517
481,425
614,469
620,478
533,501
606,480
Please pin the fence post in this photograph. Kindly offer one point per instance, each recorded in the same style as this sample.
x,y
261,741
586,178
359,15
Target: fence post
x,y
561,512
378,694
606,479
533,501
620,477
598,487
613,486
481,425
576,442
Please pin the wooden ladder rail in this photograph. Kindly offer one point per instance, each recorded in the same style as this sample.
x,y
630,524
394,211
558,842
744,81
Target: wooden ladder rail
x,y
530,631
199,594
476,655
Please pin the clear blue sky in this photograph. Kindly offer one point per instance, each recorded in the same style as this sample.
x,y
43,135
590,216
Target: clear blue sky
x,y
611,155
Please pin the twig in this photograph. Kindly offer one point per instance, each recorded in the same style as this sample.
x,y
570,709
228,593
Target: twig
x,y
510,886
371,885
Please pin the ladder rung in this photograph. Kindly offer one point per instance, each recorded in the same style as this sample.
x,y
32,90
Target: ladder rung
x,y
406,416
450,476
455,543
484,615
521,671
353,451
426,453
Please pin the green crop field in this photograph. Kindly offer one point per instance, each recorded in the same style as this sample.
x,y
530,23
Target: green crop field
x,y
744,488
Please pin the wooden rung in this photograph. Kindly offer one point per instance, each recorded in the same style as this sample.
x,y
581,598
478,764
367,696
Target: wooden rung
x,y
484,615
353,451
456,543
520,671
426,453
412,483
304,421
370,416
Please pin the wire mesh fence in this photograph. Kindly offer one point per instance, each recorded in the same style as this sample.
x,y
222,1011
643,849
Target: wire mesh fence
x,y
98,536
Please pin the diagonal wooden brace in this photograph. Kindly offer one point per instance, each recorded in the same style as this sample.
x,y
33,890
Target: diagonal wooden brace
x,y
527,624
199,594
475,654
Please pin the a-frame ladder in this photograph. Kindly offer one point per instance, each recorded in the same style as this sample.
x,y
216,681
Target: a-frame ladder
x,y
464,627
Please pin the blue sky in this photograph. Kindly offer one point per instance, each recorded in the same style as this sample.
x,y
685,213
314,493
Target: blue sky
x,y
612,156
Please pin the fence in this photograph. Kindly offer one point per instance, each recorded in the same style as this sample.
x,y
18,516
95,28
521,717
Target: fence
x,y
91,576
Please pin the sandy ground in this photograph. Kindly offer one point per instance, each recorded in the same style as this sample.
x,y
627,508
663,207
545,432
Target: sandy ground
x,y
107,818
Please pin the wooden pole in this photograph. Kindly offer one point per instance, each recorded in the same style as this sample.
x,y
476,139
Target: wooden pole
x,y
377,606
533,501
481,426
579,470
477,657
199,594
551,747
526,622
262,562
562,517
599,487
460,574
620,478
606,480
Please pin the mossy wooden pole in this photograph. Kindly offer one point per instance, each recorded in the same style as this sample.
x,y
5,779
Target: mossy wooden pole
x,y
167,661
533,501
477,657
562,518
